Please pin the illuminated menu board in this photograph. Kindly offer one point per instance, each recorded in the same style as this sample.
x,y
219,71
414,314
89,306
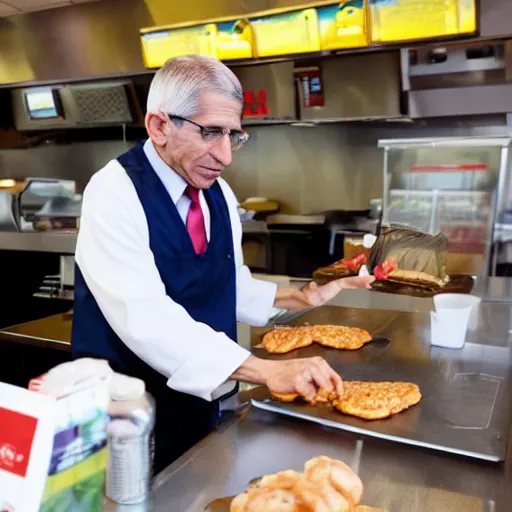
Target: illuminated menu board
x,y
400,20
224,41
286,33
330,26
159,46
343,25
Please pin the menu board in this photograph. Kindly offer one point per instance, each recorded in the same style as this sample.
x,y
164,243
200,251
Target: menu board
x,y
399,20
159,46
329,26
343,25
234,40
287,33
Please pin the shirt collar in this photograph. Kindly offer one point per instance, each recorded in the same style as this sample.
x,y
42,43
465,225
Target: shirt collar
x,y
172,181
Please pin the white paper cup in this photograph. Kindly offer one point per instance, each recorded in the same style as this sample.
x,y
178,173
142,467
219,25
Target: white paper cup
x,y
459,301
454,314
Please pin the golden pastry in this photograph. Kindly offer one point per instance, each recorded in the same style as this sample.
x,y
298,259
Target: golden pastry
x,y
376,400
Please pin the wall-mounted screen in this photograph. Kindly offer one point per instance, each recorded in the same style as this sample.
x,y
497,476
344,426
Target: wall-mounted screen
x,y
43,104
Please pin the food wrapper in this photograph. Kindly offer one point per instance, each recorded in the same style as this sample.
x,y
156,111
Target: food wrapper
x,y
76,475
411,250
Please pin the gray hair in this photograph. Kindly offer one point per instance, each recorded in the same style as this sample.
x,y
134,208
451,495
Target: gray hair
x,y
177,86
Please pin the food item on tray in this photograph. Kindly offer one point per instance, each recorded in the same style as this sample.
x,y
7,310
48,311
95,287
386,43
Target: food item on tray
x,y
365,399
411,250
326,485
376,400
322,397
340,337
389,271
286,339
340,269
403,260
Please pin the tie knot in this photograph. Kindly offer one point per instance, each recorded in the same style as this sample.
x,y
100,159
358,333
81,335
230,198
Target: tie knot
x,y
193,194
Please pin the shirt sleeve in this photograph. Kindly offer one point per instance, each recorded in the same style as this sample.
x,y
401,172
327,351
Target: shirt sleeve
x,y
255,298
118,266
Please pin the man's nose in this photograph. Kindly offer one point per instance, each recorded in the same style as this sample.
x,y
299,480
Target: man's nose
x,y
222,151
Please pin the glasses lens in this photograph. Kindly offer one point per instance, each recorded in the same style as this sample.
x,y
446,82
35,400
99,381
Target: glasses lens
x,y
238,139
212,135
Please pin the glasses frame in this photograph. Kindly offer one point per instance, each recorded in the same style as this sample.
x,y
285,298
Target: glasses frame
x,y
204,130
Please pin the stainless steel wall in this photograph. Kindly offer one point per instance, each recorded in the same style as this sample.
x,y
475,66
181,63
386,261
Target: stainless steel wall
x,y
306,169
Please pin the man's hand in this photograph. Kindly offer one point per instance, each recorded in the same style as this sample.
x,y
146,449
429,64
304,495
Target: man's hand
x,y
303,376
318,295
313,295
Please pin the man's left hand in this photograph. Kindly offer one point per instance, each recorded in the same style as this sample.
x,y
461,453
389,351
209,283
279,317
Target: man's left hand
x,y
318,295
313,295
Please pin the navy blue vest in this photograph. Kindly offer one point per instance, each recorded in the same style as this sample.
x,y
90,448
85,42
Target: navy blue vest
x,y
204,285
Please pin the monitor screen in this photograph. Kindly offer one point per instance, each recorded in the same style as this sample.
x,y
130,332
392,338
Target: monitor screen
x,y
42,104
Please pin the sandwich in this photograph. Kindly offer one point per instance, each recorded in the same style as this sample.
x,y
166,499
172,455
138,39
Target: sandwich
x,y
389,271
411,259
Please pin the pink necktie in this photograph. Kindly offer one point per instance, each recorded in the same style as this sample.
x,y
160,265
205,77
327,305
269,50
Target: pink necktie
x,y
195,221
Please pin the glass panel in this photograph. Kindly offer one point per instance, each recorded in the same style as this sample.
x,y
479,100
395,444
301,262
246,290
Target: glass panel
x,y
448,190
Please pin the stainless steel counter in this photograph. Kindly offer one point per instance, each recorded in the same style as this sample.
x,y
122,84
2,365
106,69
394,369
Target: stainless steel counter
x,y
399,478
60,243
65,243
396,477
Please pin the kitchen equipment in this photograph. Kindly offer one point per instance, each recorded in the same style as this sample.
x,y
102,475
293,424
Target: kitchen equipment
x,y
129,466
8,217
457,186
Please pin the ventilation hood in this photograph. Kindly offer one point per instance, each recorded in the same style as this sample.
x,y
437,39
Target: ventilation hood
x,y
363,87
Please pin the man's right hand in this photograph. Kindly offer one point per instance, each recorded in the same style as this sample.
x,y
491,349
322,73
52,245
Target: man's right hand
x,y
303,376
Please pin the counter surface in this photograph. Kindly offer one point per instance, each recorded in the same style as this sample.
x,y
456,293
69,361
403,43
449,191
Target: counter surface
x,y
55,331
52,332
398,477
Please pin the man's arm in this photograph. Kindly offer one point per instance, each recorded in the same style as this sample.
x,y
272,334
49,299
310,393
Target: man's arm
x,y
255,298
118,266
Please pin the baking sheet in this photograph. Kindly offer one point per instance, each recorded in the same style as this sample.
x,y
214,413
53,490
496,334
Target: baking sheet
x,y
465,407
464,413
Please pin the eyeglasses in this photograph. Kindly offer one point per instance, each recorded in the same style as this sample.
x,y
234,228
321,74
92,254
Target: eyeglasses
x,y
213,134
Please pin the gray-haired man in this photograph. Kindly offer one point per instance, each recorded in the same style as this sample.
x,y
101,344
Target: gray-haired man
x,y
160,280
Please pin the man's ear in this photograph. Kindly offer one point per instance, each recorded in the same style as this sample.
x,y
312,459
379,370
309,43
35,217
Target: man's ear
x,y
157,126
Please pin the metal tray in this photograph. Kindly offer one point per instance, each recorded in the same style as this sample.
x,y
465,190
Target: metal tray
x,y
464,413
465,407
459,283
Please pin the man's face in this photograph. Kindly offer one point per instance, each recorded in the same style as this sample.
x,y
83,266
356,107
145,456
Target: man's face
x,y
200,162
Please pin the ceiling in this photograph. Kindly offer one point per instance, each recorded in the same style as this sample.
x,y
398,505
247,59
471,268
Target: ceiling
x,y
10,7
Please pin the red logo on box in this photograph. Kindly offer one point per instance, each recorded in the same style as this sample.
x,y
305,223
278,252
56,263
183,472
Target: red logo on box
x,y
16,437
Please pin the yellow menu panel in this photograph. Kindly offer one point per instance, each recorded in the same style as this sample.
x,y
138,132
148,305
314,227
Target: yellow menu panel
x,y
399,20
234,40
159,46
281,34
343,25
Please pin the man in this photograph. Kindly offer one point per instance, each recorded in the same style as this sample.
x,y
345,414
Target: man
x,y
160,280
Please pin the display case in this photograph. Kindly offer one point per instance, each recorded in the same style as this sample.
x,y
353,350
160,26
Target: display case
x,y
450,185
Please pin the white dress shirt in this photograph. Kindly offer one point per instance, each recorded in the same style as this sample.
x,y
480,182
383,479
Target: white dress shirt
x,y
118,266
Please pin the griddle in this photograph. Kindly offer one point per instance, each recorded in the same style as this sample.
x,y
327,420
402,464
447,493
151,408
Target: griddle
x,y
465,407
